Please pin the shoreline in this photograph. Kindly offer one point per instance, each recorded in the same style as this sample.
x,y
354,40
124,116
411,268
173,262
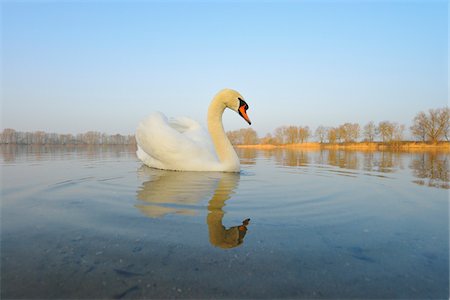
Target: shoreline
x,y
313,146
363,146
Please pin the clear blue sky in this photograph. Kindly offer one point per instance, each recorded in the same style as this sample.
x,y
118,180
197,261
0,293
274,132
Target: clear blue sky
x,y
75,66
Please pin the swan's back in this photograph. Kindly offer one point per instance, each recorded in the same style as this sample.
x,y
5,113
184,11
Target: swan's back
x,y
179,144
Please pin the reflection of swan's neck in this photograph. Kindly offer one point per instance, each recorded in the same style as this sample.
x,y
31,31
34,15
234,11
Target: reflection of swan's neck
x,y
219,236
224,149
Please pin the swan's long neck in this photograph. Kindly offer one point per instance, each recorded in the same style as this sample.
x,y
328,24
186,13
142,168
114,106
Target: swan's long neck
x,y
224,149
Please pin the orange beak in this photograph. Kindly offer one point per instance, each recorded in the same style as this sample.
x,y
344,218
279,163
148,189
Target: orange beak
x,y
242,228
243,113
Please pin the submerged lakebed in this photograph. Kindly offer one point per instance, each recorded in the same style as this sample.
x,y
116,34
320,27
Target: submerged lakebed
x,y
93,222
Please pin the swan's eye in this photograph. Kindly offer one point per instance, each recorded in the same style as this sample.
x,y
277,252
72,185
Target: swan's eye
x,y
242,103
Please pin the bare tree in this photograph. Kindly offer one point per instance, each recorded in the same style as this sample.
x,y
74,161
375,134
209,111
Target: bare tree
x,y
93,138
348,132
446,121
399,130
267,139
279,135
243,136
340,134
9,136
39,138
370,131
332,134
433,127
249,136
344,133
386,130
354,130
303,134
291,135
419,127
436,124
321,134
65,139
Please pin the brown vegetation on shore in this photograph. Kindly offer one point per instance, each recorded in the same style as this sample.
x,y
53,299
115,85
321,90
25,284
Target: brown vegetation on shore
x,y
363,146
431,131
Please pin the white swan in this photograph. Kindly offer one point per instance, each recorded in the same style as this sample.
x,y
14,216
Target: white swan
x,y
182,144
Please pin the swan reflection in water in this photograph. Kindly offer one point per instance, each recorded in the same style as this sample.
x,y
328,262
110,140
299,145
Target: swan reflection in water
x,y
169,192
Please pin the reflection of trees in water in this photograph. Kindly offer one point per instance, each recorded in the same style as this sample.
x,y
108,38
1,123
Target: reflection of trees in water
x,y
278,156
269,153
389,161
338,158
368,161
356,160
385,161
11,153
431,169
343,159
247,156
294,158
284,157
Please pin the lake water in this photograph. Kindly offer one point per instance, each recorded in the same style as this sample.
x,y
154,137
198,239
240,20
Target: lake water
x,y
95,223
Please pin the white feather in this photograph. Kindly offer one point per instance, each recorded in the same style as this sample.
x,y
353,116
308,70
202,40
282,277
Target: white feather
x,y
175,144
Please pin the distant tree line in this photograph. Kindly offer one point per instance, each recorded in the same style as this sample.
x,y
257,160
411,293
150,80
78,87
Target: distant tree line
x,y
246,136
11,136
432,126
385,131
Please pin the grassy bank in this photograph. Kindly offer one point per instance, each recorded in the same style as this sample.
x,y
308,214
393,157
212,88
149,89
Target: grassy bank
x,y
363,146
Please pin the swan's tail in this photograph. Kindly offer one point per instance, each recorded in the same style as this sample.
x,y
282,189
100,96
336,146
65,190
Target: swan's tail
x,y
147,159
144,137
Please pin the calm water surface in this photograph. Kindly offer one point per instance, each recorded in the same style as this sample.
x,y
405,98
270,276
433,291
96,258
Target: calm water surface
x,y
95,223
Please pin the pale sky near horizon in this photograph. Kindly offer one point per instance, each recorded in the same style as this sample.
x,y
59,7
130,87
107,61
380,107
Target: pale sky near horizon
x,y
74,66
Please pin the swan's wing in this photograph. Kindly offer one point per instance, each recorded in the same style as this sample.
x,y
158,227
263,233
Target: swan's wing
x,y
178,144
192,130
183,124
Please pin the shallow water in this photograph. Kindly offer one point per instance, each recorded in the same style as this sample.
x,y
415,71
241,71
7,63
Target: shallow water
x,y
95,223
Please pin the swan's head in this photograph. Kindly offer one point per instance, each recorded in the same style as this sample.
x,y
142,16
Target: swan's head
x,y
234,101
